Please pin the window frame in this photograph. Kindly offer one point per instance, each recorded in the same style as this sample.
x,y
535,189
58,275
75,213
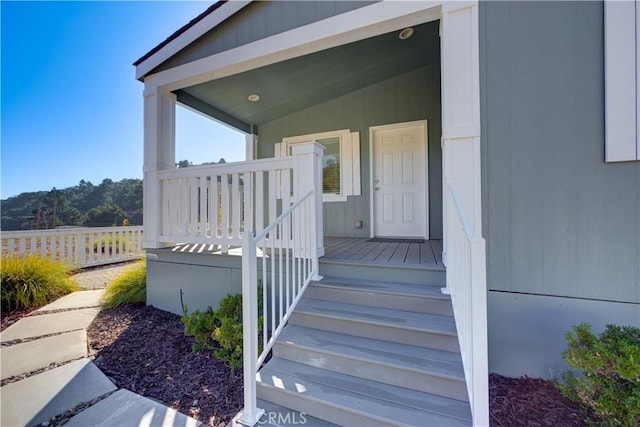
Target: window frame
x,y
346,158
622,80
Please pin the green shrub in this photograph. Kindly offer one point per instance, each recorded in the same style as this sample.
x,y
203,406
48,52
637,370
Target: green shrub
x,y
609,383
221,330
129,287
103,245
33,281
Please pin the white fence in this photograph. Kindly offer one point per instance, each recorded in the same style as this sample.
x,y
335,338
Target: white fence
x,y
77,247
213,204
466,282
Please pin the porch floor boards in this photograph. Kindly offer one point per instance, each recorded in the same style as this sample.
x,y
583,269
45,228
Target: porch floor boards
x,y
359,250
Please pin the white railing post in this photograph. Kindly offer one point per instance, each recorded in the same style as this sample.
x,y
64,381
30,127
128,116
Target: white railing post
x,y
307,176
250,414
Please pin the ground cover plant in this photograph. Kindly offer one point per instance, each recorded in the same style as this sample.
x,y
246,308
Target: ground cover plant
x,y
32,281
608,380
129,287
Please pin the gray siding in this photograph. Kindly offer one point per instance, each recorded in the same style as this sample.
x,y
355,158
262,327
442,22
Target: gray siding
x,y
411,96
557,219
257,21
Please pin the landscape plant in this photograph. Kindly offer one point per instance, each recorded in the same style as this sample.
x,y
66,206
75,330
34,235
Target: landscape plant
x,y
608,381
221,330
104,245
33,281
129,287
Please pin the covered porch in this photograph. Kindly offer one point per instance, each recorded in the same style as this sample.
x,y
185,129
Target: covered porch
x,y
323,87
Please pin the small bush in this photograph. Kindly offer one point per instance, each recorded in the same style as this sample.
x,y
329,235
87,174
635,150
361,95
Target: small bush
x,y
103,245
33,281
129,287
221,330
609,383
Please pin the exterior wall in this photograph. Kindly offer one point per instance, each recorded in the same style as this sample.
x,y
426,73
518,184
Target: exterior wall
x,y
257,21
562,226
204,279
412,96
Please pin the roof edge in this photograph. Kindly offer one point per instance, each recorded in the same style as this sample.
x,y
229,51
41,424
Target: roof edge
x,y
186,34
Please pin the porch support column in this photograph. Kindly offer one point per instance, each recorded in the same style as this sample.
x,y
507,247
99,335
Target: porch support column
x,y
159,154
461,167
307,175
251,146
461,108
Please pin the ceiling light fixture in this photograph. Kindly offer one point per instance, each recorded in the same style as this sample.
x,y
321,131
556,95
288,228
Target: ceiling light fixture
x,y
406,33
254,98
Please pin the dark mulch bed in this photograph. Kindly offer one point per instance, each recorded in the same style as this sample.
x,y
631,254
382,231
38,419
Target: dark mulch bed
x,y
530,402
144,350
9,317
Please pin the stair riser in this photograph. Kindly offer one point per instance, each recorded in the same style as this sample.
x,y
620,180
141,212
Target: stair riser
x,y
318,408
381,332
417,304
380,273
394,375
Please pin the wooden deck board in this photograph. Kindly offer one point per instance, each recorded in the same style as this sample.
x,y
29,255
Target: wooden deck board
x,y
360,250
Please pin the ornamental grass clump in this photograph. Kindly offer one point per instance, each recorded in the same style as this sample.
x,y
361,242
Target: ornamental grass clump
x,y
33,281
609,379
129,287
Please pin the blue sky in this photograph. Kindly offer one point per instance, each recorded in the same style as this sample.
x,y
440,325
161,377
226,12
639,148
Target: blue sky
x,y
71,107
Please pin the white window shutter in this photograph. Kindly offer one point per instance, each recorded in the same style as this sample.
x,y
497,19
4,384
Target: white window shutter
x,y
621,81
355,162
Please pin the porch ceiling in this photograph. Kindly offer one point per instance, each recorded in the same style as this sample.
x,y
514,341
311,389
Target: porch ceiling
x,y
302,82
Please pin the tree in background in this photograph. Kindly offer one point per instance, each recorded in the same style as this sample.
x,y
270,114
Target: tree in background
x,y
105,216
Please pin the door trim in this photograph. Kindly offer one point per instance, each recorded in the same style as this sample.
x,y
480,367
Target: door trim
x,y
391,126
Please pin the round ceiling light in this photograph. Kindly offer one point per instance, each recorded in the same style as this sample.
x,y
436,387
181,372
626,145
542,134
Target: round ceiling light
x,y
406,33
254,98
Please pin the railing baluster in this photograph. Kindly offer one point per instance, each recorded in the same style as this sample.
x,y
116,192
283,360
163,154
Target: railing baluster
x,y
259,201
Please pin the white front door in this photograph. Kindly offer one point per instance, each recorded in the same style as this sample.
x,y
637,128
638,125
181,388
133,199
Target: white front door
x,y
399,174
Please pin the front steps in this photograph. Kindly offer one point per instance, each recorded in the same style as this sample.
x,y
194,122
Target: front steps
x,y
362,352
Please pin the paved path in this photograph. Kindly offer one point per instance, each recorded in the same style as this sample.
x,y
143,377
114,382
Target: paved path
x,y
100,277
45,358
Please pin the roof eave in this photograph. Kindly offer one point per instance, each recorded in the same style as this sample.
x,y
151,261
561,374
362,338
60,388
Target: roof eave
x,y
187,35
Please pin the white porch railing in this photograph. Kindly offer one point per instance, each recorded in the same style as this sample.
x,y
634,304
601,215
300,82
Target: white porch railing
x,y
213,204
77,247
466,282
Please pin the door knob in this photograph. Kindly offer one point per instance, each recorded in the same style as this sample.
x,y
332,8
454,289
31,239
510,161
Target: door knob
x,y
377,181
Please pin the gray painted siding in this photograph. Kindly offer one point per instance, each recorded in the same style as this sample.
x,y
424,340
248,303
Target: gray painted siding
x,y
559,222
257,21
411,96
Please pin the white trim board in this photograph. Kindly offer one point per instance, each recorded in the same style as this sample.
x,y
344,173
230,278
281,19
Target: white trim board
x,y
209,22
358,24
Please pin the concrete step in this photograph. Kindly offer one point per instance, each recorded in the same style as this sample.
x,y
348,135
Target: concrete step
x,y
44,324
348,269
393,295
348,400
124,408
38,398
417,368
75,300
280,416
33,355
419,329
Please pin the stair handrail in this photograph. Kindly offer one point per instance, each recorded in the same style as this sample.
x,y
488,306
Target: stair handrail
x,y
466,283
289,250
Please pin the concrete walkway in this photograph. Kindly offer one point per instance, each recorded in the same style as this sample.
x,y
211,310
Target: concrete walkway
x,y
45,359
